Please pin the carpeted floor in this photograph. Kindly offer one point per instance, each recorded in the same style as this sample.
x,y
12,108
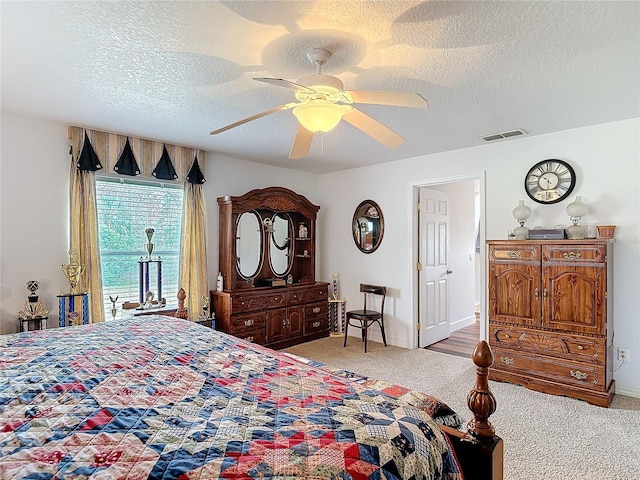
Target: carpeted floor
x,y
545,437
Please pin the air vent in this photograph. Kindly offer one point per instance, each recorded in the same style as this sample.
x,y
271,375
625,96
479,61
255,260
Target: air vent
x,y
498,136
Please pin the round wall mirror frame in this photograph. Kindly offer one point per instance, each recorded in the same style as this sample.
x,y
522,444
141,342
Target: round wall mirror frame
x,y
367,226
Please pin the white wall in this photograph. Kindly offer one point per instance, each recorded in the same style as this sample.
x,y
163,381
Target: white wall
x,y
606,159
34,227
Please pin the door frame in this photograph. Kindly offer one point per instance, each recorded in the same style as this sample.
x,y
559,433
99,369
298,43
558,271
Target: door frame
x,y
414,246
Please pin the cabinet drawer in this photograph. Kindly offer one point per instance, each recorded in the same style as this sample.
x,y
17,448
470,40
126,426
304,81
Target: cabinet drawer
x,y
256,302
571,347
316,310
253,336
250,321
553,369
316,324
298,297
582,254
511,253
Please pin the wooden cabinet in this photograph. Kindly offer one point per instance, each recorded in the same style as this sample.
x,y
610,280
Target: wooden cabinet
x,y
550,323
267,260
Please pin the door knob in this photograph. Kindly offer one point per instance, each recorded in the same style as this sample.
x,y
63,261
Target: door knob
x,y
449,272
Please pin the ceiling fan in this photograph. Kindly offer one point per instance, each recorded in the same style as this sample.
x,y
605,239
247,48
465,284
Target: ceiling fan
x,y
323,102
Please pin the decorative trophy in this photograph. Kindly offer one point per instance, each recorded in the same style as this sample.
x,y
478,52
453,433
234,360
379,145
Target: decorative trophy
x,y
149,245
114,310
73,270
33,307
204,315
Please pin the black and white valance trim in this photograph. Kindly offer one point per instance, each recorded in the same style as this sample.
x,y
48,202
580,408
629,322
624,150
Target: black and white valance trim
x,y
88,160
127,164
195,174
164,169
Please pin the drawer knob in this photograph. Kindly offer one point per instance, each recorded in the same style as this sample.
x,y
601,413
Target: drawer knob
x,y
579,375
316,309
316,324
507,360
572,255
506,335
249,339
249,322
580,347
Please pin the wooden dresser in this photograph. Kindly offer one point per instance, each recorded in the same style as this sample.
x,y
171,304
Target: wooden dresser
x,y
267,261
550,322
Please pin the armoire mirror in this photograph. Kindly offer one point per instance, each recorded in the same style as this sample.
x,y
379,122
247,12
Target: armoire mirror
x,y
368,226
249,244
279,243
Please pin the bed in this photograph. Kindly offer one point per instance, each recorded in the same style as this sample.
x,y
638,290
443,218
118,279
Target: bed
x,y
163,398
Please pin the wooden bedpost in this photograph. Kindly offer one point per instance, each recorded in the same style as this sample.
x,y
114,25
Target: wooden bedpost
x,y
181,312
479,450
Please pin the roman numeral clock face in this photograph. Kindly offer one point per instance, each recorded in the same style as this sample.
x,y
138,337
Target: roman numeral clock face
x,y
550,181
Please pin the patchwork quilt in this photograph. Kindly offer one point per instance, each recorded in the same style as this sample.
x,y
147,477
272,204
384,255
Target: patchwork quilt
x,y
161,398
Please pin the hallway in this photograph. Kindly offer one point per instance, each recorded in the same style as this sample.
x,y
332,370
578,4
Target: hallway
x,y
460,343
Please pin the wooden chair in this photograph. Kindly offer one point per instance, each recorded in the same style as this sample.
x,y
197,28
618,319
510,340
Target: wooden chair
x,y
364,318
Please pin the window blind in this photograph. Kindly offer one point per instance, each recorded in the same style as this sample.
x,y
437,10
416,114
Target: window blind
x,y
126,208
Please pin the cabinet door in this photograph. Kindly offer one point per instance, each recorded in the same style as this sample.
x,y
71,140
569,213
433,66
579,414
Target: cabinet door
x,y
276,325
294,322
574,286
514,284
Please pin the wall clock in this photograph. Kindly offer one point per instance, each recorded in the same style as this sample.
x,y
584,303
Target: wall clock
x,y
550,181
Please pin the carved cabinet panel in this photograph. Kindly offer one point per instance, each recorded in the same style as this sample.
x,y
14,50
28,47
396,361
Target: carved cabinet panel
x,y
549,316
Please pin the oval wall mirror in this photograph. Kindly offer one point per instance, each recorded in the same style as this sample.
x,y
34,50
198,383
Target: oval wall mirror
x,y
279,244
248,244
368,226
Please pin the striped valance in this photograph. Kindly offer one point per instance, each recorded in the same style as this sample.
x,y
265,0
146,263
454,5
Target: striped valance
x,y
109,146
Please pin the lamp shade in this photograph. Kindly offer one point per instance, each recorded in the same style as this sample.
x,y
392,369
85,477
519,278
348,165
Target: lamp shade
x,y
319,117
577,209
521,212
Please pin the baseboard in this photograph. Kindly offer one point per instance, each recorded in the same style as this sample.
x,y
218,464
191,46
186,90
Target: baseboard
x,y
628,391
464,322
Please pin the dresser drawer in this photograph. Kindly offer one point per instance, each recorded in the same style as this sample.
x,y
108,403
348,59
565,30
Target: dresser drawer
x,y
585,375
254,336
248,303
316,324
298,297
567,254
571,347
316,310
249,321
514,253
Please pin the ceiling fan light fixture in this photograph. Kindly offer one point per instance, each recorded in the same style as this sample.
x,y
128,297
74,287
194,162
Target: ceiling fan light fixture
x,y
319,117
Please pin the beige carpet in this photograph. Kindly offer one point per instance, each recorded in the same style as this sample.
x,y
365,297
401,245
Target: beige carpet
x,y
545,437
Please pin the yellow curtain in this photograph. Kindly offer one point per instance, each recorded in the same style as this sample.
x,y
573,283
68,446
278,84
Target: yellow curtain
x,y
193,251
84,236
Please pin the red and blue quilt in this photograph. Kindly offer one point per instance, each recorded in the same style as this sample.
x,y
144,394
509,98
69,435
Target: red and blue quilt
x,y
162,398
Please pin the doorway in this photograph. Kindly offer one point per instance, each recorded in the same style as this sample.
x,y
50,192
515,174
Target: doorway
x,y
464,268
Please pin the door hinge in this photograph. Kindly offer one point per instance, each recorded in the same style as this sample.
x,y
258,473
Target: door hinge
x,y
419,266
418,207
418,326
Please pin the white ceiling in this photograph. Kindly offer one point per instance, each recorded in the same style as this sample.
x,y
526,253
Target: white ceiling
x,y
174,71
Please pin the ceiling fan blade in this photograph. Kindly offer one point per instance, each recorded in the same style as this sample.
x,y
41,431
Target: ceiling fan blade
x,y
301,143
373,128
286,106
281,82
397,99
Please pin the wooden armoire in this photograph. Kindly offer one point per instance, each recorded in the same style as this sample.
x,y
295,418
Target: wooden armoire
x,y
550,316
267,257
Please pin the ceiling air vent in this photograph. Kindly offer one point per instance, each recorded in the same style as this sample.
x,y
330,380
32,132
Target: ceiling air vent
x,y
498,136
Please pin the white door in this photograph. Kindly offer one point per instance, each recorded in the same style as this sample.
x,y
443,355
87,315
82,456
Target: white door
x,y
433,274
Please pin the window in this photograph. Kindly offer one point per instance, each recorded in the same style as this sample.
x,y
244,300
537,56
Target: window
x,y
126,208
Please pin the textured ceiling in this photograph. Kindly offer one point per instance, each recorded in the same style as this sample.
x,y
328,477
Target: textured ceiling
x,y
174,71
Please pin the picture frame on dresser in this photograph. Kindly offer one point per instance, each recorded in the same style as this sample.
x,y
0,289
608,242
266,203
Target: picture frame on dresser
x,y
267,257
550,316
